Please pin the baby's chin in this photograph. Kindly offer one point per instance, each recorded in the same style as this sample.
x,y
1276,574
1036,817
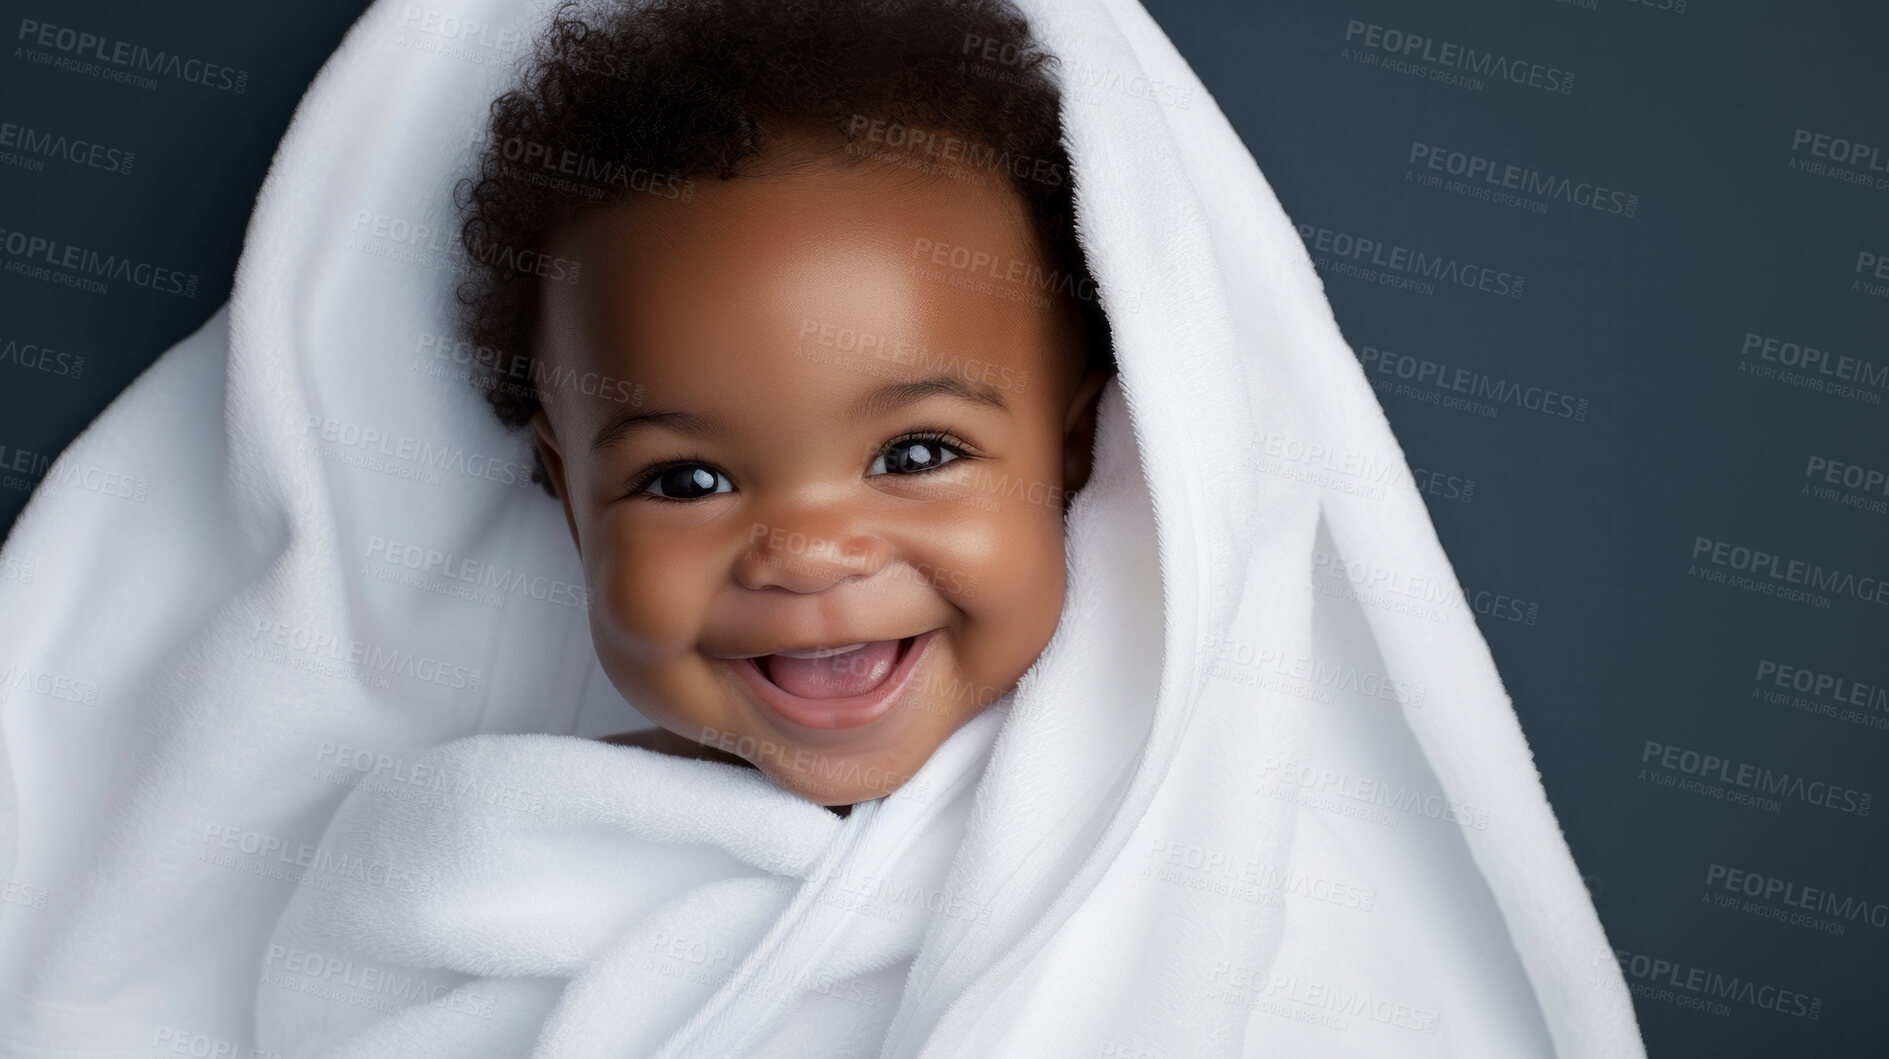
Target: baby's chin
x,y
830,779
835,768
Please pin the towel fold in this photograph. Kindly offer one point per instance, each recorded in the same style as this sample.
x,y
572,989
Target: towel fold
x,y
528,888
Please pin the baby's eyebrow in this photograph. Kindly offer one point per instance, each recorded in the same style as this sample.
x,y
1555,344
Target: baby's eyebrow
x,y
888,398
626,422
896,395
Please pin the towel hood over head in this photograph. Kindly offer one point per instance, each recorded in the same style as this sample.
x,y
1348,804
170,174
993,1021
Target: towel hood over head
x,y
1262,794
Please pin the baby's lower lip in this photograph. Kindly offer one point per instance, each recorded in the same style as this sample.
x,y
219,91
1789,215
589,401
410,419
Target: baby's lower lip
x,y
836,699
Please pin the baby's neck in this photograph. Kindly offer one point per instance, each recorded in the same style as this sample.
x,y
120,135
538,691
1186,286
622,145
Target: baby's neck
x,y
664,741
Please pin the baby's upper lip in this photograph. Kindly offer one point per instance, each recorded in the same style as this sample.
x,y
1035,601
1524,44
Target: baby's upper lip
x,y
822,652
825,643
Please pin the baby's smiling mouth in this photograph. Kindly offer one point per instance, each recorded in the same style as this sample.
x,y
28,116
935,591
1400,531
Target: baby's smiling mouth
x,y
833,672
834,687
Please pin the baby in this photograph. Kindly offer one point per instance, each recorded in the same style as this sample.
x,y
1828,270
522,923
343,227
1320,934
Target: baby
x,y
828,249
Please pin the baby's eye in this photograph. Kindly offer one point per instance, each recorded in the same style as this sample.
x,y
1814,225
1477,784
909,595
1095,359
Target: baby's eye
x,y
914,456
687,481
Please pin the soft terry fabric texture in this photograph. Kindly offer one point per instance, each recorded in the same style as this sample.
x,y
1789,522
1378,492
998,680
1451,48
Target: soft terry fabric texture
x,y
290,742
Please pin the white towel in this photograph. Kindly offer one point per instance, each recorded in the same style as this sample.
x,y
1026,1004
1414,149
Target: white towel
x,y
1263,794
546,860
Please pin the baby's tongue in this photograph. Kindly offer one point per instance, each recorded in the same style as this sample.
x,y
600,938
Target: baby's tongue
x,y
853,673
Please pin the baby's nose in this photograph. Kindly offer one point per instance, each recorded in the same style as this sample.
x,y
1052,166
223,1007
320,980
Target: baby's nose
x,y
809,558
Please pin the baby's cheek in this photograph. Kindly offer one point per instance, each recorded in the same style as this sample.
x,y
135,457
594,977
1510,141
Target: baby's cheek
x,y
650,607
1028,558
1018,593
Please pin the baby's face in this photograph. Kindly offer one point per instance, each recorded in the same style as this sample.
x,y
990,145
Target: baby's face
x,y
830,530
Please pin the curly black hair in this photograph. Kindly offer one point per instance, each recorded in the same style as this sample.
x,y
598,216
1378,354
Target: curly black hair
x,y
645,95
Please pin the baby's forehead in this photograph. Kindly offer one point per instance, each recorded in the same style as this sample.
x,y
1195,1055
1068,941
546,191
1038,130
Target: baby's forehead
x,y
812,268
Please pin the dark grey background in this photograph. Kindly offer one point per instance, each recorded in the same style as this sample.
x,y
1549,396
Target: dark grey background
x,y
1590,524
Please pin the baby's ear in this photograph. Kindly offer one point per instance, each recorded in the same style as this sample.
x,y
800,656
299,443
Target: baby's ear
x,y
553,460
1079,429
